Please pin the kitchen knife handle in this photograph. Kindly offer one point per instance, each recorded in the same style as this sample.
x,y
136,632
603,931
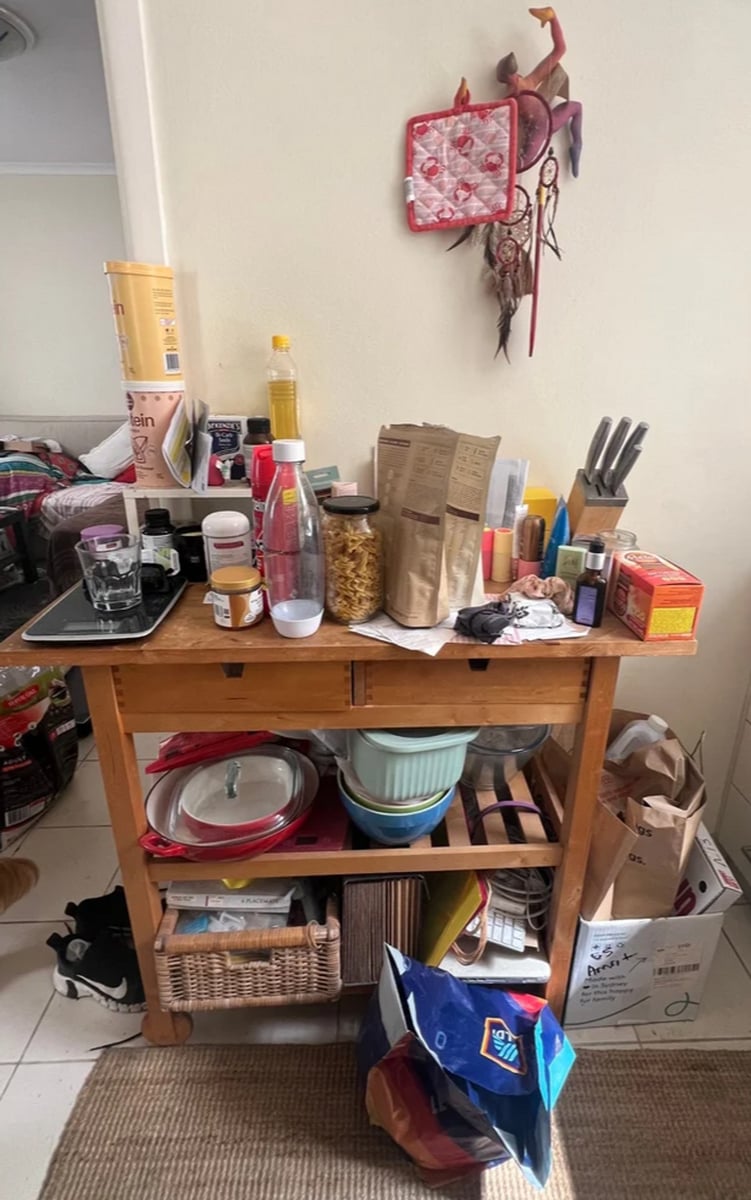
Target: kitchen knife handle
x,y
613,449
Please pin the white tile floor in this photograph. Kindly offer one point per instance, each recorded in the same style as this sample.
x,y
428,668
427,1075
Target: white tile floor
x,y
47,1043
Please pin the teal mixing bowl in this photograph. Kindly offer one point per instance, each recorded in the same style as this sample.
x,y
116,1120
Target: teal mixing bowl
x,y
395,828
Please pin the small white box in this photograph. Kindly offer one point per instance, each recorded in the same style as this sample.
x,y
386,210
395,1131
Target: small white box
x,y
637,971
708,885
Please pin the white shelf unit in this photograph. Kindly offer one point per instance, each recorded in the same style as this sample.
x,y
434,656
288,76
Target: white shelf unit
x,y
234,497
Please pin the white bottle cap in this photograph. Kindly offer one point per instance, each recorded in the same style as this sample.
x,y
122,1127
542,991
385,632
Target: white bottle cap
x,y
289,450
225,524
657,724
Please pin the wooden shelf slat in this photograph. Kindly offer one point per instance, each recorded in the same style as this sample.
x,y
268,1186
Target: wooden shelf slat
x,y
427,854
384,860
531,823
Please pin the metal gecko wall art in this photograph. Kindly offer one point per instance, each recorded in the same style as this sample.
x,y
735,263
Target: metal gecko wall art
x,y
463,168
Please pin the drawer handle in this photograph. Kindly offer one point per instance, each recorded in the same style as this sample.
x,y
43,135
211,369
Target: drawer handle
x,y
478,664
233,670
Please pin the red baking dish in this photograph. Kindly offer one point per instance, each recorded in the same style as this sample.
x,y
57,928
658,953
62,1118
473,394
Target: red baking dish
x,y
170,835
241,795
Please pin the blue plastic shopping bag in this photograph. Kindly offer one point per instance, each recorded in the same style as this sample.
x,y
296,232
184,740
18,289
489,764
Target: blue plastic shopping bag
x,y
462,1076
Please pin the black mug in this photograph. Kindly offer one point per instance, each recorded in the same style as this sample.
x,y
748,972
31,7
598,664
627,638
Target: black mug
x,y
189,546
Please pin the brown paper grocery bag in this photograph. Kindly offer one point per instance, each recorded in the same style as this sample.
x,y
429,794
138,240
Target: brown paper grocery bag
x,y
612,840
664,808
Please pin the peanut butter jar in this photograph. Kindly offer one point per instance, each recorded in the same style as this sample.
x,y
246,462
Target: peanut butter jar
x,y
237,597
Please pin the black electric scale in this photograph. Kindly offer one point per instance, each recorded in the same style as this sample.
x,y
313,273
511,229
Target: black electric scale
x,y
72,618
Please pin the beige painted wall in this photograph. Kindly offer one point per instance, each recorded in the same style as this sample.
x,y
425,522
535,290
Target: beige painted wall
x,y
279,135
59,353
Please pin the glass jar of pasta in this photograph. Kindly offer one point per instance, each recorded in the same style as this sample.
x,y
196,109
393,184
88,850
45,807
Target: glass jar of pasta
x,y
353,550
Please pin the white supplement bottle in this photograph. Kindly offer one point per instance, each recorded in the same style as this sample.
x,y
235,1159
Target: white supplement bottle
x,y
226,537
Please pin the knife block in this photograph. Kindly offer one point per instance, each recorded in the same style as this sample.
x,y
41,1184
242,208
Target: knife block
x,y
591,511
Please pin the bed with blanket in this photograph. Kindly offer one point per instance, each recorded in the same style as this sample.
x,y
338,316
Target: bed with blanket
x,y
77,472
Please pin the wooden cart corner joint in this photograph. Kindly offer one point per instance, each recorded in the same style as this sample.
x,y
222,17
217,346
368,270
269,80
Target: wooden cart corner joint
x,y
176,680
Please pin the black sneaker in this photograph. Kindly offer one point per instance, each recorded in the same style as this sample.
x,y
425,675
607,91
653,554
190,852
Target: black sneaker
x,y
100,914
105,969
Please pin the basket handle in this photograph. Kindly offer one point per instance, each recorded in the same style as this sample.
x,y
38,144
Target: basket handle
x,y
284,937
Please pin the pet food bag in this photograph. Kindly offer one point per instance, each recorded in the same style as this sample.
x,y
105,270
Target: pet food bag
x,y
38,745
462,1077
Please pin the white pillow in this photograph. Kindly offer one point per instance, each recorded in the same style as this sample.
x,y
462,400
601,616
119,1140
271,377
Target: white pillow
x,y
111,456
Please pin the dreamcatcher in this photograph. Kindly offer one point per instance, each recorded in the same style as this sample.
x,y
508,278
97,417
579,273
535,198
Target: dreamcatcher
x,y
508,246
513,236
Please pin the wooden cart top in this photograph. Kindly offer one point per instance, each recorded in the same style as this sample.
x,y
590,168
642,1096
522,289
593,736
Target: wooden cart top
x,y
189,635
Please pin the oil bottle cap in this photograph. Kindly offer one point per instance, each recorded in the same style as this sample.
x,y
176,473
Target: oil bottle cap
x,y
280,341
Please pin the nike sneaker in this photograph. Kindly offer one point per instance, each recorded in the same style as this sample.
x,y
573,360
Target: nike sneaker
x,y
99,914
105,969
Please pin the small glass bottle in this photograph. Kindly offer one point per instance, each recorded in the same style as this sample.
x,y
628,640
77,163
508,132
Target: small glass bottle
x,y
158,532
591,588
258,434
615,541
354,558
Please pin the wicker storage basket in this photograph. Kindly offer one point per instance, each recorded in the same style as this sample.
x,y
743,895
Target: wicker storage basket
x,y
299,964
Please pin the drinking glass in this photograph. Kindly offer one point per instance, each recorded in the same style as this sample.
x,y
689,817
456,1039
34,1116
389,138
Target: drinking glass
x,y
111,571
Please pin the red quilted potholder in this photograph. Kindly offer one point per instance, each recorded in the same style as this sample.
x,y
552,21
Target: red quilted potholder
x,y
461,166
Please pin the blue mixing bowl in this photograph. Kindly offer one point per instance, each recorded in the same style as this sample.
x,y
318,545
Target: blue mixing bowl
x,y
395,828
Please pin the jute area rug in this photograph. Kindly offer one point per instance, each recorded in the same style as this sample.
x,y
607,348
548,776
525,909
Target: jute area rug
x,y
287,1123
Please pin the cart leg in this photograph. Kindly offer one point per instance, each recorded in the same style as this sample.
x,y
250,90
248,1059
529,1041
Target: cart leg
x,y
576,831
122,785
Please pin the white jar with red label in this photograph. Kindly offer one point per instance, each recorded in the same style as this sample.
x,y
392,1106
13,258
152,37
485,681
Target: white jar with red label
x,y
226,536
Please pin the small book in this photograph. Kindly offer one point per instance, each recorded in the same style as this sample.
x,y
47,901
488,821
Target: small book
x,y
264,895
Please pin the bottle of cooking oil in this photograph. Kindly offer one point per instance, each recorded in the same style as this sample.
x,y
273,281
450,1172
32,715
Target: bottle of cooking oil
x,y
282,384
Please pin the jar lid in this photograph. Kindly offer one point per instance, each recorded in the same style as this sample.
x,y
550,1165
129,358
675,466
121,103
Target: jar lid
x,y
226,523
235,579
157,516
351,506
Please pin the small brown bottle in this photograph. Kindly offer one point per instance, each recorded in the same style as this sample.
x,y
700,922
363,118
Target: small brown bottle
x,y
589,599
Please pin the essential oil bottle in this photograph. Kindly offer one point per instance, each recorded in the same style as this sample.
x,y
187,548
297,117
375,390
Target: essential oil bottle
x,y
589,599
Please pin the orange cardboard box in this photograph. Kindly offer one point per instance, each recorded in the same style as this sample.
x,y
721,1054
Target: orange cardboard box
x,y
657,600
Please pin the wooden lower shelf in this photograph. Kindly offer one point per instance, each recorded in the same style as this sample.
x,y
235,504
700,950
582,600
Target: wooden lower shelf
x,y
511,839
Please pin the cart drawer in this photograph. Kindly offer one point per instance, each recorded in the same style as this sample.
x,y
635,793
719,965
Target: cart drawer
x,y
528,689
316,687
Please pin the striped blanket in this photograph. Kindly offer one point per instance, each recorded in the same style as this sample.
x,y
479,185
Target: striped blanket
x,y
25,479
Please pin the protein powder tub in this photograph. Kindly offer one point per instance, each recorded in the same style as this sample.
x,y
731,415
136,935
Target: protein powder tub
x,y
226,536
237,597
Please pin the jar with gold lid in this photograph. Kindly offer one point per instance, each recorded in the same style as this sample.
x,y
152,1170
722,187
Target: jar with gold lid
x,y
237,597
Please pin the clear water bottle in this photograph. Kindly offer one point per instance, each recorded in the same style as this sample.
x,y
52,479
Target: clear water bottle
x,y
292,545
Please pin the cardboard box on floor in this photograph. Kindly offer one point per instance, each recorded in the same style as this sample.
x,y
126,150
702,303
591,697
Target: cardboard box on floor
x,y
643,829
708,885
634,972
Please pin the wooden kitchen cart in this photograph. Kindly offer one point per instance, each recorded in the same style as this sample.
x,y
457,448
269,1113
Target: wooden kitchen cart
x,y
191,675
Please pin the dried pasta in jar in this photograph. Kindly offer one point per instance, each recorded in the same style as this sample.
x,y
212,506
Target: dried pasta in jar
x,y
353,549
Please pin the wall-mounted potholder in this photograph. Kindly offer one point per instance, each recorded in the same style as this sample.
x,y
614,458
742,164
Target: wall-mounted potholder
x,y
461,165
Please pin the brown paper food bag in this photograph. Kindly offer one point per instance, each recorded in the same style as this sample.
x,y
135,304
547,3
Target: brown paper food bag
x,y
432,484
664,807
612,840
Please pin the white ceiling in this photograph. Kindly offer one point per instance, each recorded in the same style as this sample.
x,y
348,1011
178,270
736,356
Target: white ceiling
x,y
53,103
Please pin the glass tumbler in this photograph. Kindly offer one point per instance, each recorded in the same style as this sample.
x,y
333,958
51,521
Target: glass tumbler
x,y
111,571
